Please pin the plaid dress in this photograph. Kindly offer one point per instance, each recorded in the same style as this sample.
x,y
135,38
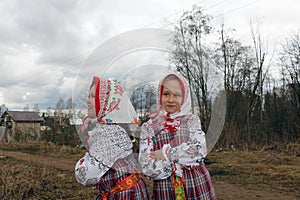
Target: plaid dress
x,y
187,148
120,170
198,185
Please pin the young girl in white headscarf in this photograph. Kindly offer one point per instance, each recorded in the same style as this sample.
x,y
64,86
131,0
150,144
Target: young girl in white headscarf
x,y
109,164
173,146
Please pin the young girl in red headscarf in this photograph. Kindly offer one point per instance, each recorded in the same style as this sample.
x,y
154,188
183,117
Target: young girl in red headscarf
x,y
109,164
173,146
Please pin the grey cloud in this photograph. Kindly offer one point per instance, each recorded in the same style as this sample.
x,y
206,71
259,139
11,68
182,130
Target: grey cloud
x,y
42,43
54,33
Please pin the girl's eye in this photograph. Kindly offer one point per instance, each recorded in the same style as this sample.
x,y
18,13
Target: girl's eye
x,y
166,94
178,95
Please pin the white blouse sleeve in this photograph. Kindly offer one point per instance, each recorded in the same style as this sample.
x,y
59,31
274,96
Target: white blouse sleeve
x,y
188,153
88,171
152,168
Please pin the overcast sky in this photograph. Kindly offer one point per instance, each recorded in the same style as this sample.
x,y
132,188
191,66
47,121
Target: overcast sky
x,y
43,43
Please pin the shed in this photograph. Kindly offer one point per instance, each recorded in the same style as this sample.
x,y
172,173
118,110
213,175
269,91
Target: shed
x,y
20,126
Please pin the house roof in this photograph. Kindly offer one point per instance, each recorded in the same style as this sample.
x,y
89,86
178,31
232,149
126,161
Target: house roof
x,y
24,116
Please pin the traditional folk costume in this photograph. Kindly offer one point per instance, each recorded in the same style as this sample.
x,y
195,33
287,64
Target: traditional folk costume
x,y
182,173
109,164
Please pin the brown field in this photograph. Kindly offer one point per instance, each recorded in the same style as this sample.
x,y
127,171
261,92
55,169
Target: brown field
x,y
46,171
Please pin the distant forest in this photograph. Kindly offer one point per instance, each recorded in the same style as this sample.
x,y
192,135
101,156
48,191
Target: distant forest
x,y
261,109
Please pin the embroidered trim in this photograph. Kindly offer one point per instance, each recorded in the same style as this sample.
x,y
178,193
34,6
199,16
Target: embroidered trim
x,y
179,187
125,184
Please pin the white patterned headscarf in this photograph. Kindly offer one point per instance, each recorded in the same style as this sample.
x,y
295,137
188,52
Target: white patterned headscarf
x,y
186,106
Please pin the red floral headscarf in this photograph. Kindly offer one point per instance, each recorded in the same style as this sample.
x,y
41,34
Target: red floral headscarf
x,y
112,105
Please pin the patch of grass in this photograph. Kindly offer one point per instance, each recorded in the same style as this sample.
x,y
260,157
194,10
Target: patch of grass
x,y
274,169
23,180
43,148
32,147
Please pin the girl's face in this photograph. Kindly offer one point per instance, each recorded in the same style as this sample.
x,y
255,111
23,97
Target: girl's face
x,y
91,103
171,96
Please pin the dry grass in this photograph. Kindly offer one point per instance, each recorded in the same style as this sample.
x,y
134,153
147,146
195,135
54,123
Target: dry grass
x,y
274,169
265,168
23,180
30,180
43,148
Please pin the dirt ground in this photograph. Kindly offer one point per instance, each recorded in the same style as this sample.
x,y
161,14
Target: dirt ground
x,y
224,189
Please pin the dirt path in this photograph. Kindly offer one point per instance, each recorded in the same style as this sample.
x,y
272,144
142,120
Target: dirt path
x,y
225,190
59,163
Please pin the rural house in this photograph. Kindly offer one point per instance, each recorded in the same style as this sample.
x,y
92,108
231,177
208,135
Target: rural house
x,y
20,126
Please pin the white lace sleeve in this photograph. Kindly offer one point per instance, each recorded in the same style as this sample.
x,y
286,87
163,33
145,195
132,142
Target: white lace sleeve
x,y
152,168
190,153
88,171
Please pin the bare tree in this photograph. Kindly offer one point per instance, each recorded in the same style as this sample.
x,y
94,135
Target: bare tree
x,y
256,102
236,62
290,61
26,108
3,109
69,103
257,90
190,55
59,106
36,108
143,98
